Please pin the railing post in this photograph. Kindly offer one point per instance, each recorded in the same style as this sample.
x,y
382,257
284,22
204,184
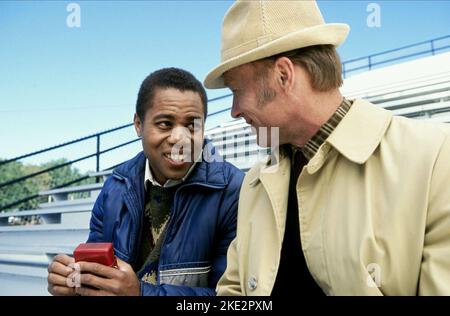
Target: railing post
x,y
432,47
98,153
370,62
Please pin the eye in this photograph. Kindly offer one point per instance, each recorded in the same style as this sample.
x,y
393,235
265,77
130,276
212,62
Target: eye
x,y
195,125
192,126
164,124
234,91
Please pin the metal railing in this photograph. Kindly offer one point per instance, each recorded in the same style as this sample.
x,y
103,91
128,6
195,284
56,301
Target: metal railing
x,y
97,154
369,62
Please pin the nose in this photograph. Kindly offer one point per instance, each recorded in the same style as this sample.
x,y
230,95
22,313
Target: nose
x,y
235,109
179,135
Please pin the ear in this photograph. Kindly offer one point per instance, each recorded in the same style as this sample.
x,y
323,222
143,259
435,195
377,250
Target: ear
x,y
285,74
137,125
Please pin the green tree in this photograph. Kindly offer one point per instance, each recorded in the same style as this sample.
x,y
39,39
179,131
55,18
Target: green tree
x,y
17,191
32,186
65,175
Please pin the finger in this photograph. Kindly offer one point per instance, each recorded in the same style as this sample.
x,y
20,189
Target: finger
x,y
98,282
84,291
64,259
124,266
59,268
57,290
120,262
56,279
99,269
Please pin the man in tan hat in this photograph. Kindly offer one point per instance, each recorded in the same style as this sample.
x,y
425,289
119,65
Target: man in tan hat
x,y
358,201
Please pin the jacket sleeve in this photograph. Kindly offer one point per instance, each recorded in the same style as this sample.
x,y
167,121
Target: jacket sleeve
x,y
435,267
96,222
229,284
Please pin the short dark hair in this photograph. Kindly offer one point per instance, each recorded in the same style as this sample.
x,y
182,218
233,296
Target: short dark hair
x,y
168,78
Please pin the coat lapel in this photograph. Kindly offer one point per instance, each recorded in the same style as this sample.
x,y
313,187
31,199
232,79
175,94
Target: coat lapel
x,y
275,180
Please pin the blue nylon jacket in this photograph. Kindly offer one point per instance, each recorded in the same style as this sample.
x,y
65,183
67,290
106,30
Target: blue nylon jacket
x,y
201,226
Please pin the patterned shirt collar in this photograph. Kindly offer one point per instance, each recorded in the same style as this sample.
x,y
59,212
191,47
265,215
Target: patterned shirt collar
x,y
312,146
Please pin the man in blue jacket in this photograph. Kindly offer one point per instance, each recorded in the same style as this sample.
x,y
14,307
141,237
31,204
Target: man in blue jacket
x,y
170,211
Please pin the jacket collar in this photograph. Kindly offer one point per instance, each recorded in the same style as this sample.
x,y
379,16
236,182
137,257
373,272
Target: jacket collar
x,y
148,175
205,173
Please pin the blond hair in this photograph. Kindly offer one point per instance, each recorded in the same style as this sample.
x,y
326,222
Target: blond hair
x,y
321,62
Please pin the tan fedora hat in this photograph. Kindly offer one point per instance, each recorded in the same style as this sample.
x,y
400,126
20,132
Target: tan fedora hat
x,y
254,30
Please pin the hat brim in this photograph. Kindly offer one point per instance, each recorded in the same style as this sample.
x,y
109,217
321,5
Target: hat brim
x,y
332,34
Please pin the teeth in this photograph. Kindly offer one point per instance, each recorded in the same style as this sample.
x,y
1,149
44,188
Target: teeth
x,y
175,157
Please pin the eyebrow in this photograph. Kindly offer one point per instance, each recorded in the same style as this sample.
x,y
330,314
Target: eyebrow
x,y
172,117
164,116
227,82
194,117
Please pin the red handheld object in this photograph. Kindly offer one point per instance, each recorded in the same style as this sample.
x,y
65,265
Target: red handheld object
x,y
100,252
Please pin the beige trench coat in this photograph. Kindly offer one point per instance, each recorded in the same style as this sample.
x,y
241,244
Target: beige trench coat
x,y
374,209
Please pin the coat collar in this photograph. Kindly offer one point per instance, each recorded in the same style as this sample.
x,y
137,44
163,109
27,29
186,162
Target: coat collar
x,y
356,138
360,131
276,165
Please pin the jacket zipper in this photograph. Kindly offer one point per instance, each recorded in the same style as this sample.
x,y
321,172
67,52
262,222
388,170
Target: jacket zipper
x,y
169,224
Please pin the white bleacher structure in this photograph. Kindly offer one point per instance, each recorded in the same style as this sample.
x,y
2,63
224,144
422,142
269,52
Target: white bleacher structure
x,y
418,89
25,250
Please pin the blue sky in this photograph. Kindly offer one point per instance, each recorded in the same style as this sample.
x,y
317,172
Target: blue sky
x,y
59,83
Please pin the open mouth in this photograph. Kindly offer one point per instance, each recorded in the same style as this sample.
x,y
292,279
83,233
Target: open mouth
x,y
176,157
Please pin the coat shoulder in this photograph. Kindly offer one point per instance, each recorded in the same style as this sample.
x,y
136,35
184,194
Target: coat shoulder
x,y
416,134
